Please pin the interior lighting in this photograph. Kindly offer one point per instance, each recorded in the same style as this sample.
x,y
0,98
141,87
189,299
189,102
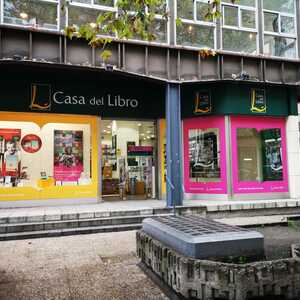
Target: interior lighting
x,y
108,126
250,36
139,124
152,135
142,134
247,159
148,137
148,131
23,15
93,25
190,28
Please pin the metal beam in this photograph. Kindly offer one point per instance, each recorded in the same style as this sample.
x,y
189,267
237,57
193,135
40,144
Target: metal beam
x,y
174,152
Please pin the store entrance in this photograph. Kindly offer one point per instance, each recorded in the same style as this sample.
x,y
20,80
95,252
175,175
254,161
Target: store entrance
x,y
129,160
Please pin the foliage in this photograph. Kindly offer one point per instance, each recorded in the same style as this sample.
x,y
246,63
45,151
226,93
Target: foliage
x,y
135,19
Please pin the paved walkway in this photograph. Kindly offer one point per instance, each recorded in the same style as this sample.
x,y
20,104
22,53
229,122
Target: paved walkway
x,y
144,205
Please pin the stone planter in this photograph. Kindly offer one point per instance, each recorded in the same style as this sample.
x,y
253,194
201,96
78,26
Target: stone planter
x,y
207,280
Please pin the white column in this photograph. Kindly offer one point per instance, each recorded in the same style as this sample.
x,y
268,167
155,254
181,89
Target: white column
x,y
293,155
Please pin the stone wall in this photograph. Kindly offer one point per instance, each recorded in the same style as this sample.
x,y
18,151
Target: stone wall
x,y
207,280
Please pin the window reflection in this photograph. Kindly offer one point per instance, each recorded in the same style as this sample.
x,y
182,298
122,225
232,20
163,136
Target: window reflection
x,y
204,155
31,13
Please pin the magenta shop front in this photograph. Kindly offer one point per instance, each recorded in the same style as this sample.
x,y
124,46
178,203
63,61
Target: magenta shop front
x,y
234,141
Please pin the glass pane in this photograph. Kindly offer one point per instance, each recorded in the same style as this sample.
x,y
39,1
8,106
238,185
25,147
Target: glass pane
x,y
231,16
248,18
160,10
185,9
272,154
104,2
287,24
251,3
249,154
160,31
31,13
280,5
81,15
271,22
83,1
279,46
194,35
204,155
239,41
201,10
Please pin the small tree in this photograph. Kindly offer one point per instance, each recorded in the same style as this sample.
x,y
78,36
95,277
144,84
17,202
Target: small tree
x,y
135,19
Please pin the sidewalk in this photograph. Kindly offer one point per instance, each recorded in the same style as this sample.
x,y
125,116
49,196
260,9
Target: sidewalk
x,y
91,210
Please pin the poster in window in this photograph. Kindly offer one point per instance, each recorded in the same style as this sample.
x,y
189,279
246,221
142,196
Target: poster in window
x,y
10,154
68,155
204,155
272,155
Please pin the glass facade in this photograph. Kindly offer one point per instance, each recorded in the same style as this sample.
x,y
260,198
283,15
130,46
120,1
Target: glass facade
x,y
279,21
238,24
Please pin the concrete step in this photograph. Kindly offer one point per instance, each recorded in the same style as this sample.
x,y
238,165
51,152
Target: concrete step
x,y
8,228
67,231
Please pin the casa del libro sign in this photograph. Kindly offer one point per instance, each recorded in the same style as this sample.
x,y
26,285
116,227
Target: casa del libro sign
x,y
43,97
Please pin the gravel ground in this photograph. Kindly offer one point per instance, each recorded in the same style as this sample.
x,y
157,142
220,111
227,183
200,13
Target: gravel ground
x,y
97,266
278,240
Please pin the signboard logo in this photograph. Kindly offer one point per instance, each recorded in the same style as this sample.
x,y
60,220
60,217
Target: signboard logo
x,y
258,101
40,97
202,103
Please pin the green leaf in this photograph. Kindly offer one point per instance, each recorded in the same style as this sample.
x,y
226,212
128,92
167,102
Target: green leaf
x,y
106,55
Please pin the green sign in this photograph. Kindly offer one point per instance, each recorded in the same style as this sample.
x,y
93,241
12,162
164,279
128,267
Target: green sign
x,y
258,101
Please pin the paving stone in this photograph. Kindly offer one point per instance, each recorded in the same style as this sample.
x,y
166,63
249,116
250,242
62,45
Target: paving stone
x,y
102,214
86,215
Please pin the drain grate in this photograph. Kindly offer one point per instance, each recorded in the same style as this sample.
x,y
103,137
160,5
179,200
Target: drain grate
x,y
204,238
195,226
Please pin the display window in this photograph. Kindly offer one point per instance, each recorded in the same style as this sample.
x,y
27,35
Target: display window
x,y
205,155
259,155
43,159
129,159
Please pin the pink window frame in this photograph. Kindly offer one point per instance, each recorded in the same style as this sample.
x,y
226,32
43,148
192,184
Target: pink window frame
x,y
259,123
205,187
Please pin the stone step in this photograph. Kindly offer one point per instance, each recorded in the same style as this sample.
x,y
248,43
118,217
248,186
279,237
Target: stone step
x,y
69,224
68,231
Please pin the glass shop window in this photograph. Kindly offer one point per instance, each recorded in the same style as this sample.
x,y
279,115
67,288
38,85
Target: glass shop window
x,y
32,13
279,28
204,155
259,154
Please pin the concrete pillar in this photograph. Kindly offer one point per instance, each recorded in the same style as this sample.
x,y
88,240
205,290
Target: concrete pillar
x,y
174,146
293,155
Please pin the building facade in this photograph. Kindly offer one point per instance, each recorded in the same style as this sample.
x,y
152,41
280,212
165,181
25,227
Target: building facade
x,y
158,120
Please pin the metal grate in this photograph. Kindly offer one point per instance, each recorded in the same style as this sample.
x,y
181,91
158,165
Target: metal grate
x,y
197,226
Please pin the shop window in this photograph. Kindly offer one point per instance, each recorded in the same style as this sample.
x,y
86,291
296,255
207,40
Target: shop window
x,y
239,28
204,159
279,28
57,154
33,13
259,158
204,155
196,29
259,154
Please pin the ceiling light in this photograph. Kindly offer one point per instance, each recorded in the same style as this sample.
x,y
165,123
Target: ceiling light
x,y
148,131
23,15
148,137
139,124
152,135
142,134
108,126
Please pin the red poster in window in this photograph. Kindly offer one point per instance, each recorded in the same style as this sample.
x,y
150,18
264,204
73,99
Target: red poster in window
x,y
31,143
10,154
